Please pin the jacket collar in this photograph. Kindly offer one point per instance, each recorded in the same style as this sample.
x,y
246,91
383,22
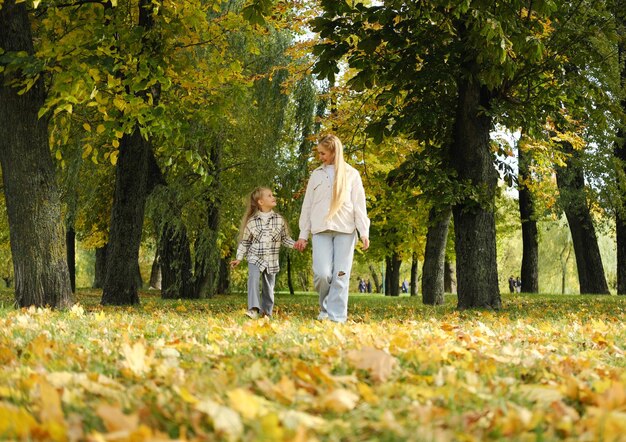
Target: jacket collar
x,y
257,214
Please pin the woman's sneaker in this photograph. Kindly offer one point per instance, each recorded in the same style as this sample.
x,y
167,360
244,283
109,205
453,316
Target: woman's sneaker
x,y
252,314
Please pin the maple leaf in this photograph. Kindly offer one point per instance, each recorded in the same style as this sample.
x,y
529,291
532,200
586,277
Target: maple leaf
x,y
135,358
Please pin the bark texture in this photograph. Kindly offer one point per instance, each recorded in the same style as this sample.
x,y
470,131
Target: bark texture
x,y
175,257
620,154
414,274
433,270
127,215
100,267
70,243
392,275
155,273
530,248
474,222
571,183
32,196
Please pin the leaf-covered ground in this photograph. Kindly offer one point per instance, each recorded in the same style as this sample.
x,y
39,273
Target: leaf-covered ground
x,y
545,368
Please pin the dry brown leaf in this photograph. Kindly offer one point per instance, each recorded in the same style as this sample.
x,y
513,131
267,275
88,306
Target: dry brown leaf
x,y
378,363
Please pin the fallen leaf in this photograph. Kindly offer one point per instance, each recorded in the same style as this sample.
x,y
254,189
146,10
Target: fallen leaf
x,y
378,363
224,419
246,403
339,400
115,420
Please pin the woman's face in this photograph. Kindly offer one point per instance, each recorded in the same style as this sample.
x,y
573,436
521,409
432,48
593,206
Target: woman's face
x,y
326,156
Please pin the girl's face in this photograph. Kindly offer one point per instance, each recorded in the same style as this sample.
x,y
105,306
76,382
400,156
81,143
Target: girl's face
x,y
326,156
267,202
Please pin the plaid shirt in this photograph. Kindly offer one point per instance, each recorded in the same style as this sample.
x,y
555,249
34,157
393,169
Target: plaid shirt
x,y
261,241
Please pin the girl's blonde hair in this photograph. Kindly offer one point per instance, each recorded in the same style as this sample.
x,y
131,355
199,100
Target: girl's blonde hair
x,y
333,144
252,206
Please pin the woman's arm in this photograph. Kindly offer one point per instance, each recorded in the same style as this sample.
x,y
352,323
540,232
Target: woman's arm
x,y
361,220
305,213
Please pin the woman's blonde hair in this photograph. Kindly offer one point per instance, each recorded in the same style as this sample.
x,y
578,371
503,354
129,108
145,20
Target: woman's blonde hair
x,y
252,206
333,144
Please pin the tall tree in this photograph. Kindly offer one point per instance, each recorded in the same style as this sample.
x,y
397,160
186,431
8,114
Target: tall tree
x,y
132,187
434,257
31,193
530,240
620,153
571,182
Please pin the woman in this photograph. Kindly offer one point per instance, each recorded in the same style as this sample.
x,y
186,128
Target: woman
x,y
333,211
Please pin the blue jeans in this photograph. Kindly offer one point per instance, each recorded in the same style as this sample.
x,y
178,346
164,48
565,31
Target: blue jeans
x,y
332,263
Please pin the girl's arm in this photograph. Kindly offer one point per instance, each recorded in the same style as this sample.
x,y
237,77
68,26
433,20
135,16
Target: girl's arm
x,y
285,239
244,244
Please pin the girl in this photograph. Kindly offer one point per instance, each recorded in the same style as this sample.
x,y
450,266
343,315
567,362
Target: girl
x,y
333,210
261,233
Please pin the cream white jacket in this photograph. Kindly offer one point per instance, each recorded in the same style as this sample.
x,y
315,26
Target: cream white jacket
x,y
352,214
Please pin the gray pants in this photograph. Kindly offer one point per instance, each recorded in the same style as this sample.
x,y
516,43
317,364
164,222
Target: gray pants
x,y
267,293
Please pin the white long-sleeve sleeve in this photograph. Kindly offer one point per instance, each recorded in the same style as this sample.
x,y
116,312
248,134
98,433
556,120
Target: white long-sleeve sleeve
x,y
305,214
361,221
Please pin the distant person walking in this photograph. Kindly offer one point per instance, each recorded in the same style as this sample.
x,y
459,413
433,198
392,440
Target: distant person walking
x,y
333,211
260,236
511,284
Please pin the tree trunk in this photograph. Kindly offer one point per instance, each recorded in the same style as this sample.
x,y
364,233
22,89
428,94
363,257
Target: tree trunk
x,y
620,154
374,273
433,270
289,276
155,273
30,188
139,279
571,183
474,222
100,267
223,283
564,257
414,275
207,254
127,216
530,250
70,243
176,282
449,281
392,275
620,218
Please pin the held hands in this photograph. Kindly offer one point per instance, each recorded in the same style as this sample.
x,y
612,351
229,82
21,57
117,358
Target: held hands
x,y
300,245
234,263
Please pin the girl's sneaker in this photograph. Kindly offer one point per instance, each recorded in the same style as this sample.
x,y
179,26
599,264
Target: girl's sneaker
x,y
252,314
